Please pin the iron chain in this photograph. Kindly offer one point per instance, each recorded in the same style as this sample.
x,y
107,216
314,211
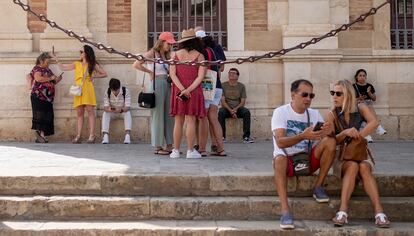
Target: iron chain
x,y
140,57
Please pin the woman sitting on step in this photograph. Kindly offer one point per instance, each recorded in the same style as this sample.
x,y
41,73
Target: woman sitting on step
x,y
349,115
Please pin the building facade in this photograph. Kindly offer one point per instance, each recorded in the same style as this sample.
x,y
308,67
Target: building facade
x,y
382,45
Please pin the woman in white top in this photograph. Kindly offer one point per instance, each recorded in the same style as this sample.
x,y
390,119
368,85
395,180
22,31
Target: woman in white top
x,y
162,124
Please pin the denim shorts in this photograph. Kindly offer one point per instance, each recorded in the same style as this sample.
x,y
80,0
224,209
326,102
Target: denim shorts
x,y
216,100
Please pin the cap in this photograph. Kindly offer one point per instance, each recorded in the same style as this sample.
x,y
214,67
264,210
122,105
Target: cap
x,y
167,37
201,34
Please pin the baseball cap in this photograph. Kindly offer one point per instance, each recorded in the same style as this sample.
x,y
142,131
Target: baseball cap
x,y
167,37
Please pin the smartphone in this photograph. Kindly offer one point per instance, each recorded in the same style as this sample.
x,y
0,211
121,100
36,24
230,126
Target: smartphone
x,y
183,97
318,126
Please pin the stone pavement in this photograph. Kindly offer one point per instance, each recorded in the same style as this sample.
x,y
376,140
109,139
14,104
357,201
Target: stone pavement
x,y
63,159
117,189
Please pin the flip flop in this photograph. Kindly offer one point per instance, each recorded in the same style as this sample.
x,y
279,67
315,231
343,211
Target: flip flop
x,y
221,153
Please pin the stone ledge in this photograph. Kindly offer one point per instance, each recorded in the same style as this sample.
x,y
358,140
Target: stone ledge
x,y
205,228
190,208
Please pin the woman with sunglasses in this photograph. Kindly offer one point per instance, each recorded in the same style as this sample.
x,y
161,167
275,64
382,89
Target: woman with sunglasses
x,y
162,124
87,67
350,115
365,93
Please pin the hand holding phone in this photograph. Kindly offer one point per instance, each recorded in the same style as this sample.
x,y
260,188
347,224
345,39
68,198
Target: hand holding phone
x,y
318,126
182,97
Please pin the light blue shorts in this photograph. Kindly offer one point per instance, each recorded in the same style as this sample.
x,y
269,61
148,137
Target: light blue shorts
x,y
216,100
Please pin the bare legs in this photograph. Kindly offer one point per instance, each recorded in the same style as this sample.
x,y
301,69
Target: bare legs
x,y
80,112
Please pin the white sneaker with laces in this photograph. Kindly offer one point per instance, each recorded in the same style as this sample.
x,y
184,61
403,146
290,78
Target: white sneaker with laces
x,y
193,154
380,130
369,139
175,154
127,139
105,139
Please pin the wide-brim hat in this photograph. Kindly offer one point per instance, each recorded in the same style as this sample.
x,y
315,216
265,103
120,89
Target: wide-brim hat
x,y
187,35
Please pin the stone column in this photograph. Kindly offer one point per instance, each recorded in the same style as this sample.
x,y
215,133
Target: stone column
x,y
308,19
235,25
139,25
14,34
69,14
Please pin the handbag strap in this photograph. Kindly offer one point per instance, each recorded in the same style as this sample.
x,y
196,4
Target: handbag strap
x,y
153,71
309,142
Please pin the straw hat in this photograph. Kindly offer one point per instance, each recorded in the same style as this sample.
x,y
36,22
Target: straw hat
x,y
187,35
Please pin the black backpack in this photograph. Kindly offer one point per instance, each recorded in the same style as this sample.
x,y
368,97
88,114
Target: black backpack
x,y
123,92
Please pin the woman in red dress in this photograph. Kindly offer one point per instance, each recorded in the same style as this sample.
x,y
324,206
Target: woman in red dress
x,y
187,101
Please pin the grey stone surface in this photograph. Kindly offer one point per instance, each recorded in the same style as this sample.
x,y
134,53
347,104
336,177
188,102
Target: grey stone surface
x,y
59,168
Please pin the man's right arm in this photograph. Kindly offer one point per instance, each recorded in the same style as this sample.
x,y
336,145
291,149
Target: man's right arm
x,y
283,141
107,105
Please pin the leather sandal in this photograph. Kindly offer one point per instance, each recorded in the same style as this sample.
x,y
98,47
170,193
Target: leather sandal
x,y
77,139
91,139
381,220
221,153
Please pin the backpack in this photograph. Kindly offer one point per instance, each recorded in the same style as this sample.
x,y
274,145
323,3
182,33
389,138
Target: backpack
x,y
123,92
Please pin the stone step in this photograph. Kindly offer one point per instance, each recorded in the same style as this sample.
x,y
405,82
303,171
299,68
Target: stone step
x,y
199,228
242,184
190,208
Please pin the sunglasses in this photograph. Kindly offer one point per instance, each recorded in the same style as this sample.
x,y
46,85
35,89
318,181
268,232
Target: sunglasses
x,y
81,51
338,94
310,95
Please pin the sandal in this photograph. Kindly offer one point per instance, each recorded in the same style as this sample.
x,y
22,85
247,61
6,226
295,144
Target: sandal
x,y
39,138
163,152
381,220
77,139
340,218
221,153
91,139
203,153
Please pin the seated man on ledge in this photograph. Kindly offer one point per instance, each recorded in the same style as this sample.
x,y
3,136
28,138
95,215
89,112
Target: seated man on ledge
x,y
117,103
232,104
301,146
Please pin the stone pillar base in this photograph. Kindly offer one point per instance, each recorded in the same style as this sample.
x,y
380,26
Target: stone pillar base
x,y
61,41
16,42
299,33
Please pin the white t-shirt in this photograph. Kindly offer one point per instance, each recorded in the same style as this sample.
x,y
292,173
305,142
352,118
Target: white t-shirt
x,y
284,117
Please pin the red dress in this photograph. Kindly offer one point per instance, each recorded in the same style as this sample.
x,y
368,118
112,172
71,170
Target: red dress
x,y
193,106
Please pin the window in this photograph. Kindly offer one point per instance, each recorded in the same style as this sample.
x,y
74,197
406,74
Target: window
x,y
402,24
177,15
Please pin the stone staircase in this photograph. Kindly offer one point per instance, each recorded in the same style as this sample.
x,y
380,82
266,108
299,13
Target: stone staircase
x,y
189,204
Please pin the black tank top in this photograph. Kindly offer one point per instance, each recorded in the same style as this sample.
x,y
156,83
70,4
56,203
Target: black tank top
x,y
355,120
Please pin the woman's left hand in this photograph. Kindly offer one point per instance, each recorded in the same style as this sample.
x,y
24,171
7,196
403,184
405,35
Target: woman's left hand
x,y
186,93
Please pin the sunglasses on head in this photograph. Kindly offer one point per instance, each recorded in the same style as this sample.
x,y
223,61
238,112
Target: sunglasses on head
x,y
310,95
337,93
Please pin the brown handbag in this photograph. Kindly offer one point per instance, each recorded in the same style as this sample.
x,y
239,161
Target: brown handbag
x,y
352,149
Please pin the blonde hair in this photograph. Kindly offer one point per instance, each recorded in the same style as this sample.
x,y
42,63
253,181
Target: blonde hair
x,y
349,103
159,44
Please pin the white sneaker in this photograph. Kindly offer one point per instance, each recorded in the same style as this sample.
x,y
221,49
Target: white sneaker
x,y
175,153
369,139
194,154
127,139
105,139
381,130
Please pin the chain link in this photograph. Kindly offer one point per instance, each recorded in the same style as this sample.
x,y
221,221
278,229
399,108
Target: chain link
x,y
140,57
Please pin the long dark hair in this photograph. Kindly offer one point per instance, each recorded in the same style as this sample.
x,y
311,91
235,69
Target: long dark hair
x,y
357,73
90,58
191,44
209,42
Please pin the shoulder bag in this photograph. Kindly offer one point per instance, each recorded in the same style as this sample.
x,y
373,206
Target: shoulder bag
x,y
210,79
76,90
147,100
300,161
352,149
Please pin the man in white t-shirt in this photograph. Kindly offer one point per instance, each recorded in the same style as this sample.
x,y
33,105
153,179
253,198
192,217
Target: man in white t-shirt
x,y
117,104
293,127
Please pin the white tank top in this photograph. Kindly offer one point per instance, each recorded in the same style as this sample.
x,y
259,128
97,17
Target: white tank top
x,y
160,69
